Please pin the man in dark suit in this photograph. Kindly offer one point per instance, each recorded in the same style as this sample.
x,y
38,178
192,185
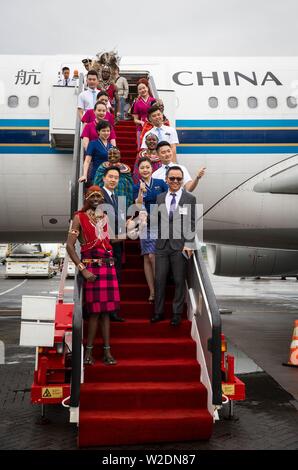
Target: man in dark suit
x,y
111,179
175,218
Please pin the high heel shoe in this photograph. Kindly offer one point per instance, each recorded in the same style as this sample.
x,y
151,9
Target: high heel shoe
x,y
108,360
88,359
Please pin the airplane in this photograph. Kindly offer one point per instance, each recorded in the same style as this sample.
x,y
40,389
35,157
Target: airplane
x,y
236,116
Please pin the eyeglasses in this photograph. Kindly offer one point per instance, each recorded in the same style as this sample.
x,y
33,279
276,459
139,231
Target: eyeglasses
x,y
175,178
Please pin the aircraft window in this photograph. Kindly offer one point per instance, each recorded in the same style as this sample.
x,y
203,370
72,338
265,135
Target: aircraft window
x,y
272,102
13,101
213,102
252,102
292,101
233,102
33,101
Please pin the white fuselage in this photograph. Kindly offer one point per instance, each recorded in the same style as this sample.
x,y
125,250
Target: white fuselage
x,y
240,144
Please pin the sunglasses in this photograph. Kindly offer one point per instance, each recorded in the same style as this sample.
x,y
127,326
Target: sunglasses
x,y
175,178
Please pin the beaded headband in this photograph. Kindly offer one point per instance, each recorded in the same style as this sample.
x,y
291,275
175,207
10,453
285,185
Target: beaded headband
x,y
92,194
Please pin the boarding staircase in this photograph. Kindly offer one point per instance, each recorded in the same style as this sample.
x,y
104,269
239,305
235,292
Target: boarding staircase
x,y
167,384
157,392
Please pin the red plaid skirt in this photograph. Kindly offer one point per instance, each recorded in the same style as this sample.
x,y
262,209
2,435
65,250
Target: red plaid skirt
x,y
101,295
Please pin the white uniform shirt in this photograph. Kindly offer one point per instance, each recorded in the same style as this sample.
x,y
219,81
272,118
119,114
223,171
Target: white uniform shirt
x,y
87,99
169,199
62,82
161,172
166,133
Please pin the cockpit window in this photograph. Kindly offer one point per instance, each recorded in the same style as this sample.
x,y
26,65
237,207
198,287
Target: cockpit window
x,y
13,101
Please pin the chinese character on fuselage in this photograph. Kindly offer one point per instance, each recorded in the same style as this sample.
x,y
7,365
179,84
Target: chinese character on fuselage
x,y
24,78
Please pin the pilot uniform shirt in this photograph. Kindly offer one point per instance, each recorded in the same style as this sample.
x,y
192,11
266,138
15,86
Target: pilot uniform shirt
x,y
161,172
163,133
87,99
64,82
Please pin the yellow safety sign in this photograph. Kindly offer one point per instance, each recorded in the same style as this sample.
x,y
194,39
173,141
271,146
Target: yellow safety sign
x,y
228,389
52,392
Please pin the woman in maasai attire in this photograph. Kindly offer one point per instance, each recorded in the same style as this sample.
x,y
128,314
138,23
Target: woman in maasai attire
x,y
125,185
90,133
140,106
150,152
97,151
101,291
148,125
145,194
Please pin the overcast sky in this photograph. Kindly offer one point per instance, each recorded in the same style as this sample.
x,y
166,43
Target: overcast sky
x,y
152,27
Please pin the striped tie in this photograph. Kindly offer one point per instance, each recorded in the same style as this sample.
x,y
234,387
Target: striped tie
x,y
172,206
159,134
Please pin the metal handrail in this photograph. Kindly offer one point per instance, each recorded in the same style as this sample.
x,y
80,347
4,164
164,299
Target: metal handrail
x,y
77,329
153,87
76,161
208,321
77,337
77,318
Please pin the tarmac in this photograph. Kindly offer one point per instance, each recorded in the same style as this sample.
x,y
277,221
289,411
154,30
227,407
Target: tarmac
x,y
259,331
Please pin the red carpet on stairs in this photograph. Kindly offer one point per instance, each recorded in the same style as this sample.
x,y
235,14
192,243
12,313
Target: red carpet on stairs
x,y
154,393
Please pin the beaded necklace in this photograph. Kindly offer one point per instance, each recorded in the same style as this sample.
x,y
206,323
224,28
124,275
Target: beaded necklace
x,y
99,222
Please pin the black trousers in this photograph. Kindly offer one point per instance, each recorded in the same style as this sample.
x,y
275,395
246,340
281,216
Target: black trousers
x,y
117,252
164,259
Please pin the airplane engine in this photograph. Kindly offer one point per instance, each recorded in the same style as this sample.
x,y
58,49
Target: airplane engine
x,y
237,261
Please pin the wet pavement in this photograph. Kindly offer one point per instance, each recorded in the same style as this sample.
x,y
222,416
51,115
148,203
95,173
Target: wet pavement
x,y
259,332
262,321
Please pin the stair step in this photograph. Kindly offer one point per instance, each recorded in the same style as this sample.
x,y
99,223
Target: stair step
x,y
141,395
128,146
132,246
134,261
125,133
140,291
124,124
135,369
129,154
141,426
148,348
132,276
142,309
127,141
133,328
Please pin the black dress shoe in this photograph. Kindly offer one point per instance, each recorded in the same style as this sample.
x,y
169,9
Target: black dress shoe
x,y
176,320
157,318
115,317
